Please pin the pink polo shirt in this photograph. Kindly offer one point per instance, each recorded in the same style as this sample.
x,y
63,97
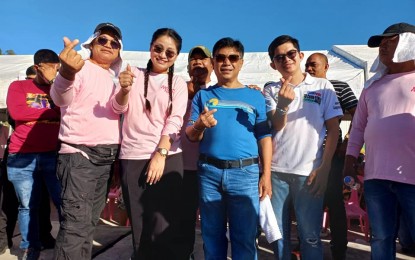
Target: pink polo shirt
x,y
385,122
86,113
142,129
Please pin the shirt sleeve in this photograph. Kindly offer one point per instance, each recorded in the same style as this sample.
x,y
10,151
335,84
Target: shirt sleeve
x,y
262,128
195,108
175,120
62,91
332,106
270,94
356,139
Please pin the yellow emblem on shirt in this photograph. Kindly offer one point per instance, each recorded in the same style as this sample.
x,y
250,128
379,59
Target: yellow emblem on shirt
x,y
213,102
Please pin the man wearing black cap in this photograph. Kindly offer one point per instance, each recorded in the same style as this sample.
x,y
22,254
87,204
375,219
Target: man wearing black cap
x,y
385,122
31,160
89,136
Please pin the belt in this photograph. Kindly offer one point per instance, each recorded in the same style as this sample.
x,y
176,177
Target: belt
x,y
226,164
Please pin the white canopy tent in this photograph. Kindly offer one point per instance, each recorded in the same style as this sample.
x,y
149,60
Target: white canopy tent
x,y
347,63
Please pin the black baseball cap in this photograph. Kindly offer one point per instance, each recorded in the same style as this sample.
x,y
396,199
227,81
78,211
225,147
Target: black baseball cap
x,y
392,30
111,27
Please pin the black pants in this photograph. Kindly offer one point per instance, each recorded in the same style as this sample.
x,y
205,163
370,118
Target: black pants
x,y
189,211
9,208
84,189
3,217
333,199
155,210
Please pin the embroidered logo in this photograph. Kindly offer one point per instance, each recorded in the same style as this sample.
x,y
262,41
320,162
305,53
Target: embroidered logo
x,y
166,89
313,97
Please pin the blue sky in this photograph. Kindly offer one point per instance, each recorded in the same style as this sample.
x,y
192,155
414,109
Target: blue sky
x,y
29,25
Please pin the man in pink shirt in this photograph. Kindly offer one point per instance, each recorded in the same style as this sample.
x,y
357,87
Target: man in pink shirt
x,y
89,135
385,122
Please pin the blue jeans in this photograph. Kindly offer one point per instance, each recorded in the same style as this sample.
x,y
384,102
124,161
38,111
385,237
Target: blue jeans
x,y
383,200
229,195
26,171
308,210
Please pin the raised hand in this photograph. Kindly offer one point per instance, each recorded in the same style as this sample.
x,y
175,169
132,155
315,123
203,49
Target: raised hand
x,y
71,61
286,94
126,79
47,71
207,118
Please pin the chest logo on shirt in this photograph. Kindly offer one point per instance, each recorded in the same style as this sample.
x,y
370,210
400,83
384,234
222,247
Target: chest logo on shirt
x,y
313,97
36,100
213,102
166,89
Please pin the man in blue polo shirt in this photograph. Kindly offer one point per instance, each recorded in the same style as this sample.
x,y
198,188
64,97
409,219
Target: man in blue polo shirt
x,y
229,119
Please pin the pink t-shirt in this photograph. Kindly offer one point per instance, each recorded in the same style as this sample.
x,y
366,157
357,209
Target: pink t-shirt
x,y
142,129
190,149
385,122
86,113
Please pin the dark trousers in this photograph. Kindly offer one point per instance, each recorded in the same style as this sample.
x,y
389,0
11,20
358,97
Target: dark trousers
x,y
3,218
333,199
155,210
84,188
9,209
189,211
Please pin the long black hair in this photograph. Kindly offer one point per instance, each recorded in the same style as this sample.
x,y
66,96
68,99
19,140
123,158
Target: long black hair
x,y
178,40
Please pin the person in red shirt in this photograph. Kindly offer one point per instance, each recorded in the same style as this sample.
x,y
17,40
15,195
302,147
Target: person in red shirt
x,y
33,147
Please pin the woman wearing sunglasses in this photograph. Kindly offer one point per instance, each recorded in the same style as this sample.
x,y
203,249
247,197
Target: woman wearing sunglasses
x,y
153,102
89,135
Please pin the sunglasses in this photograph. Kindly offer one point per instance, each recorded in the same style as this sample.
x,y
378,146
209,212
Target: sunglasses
x,y
103,41
159,49
232,58
281,57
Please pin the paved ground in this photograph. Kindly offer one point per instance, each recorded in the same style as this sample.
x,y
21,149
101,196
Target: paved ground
x,y
113,242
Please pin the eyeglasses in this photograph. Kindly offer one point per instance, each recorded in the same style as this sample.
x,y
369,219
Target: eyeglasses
x,y
222,57
159,49
281,57
103,41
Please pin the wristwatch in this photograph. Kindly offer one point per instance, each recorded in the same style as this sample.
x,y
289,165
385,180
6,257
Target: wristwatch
x,y
50,82
163,151
281,111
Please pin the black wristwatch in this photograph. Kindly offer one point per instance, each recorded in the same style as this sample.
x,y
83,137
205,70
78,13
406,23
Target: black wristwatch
x,y
50,82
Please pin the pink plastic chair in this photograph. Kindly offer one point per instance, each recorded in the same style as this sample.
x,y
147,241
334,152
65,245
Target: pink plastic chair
x,y
354,211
